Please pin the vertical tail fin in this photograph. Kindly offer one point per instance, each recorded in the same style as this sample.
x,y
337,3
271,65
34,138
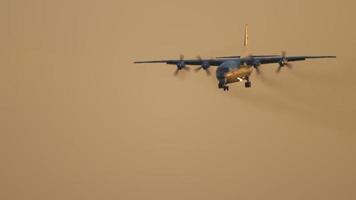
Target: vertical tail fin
x,y
246,36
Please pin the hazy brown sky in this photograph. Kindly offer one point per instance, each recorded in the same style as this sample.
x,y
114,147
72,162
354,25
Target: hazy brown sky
x,y
80,121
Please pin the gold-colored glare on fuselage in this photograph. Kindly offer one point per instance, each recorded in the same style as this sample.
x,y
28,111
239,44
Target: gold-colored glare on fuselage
x,y
238,74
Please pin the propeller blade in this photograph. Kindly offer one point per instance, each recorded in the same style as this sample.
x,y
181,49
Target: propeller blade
x,y
278,69
258,71
199,68
176,72
284,53
181,57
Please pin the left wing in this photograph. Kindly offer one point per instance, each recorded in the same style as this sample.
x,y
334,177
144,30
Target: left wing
x,y
278,59
212,62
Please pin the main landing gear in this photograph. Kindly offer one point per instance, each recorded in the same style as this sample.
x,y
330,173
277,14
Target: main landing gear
x,y
248,82
223,86
226,88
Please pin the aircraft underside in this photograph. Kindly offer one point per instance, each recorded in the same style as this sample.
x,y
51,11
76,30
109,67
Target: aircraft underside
x,y
237,75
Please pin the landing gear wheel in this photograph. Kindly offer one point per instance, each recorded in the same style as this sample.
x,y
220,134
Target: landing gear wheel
x,y
226,88
247,84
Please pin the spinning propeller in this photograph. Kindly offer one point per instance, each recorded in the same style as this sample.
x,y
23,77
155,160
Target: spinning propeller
x,y
255,63
181,65
283,62
205,66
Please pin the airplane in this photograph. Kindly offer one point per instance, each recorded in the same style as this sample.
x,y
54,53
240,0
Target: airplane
x,y
232,69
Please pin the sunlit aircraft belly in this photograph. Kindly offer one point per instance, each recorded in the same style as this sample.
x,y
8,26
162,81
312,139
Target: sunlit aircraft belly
x,y
237,75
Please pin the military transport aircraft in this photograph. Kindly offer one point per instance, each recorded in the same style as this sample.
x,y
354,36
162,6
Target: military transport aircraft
x,y
231,69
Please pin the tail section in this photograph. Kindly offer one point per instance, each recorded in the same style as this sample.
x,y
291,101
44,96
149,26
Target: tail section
x,y
246,51
246,36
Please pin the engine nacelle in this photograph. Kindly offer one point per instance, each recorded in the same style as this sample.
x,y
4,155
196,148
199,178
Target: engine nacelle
x,y
205,65
180,65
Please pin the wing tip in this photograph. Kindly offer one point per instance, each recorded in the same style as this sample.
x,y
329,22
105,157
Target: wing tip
x,y
143,62
328,56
